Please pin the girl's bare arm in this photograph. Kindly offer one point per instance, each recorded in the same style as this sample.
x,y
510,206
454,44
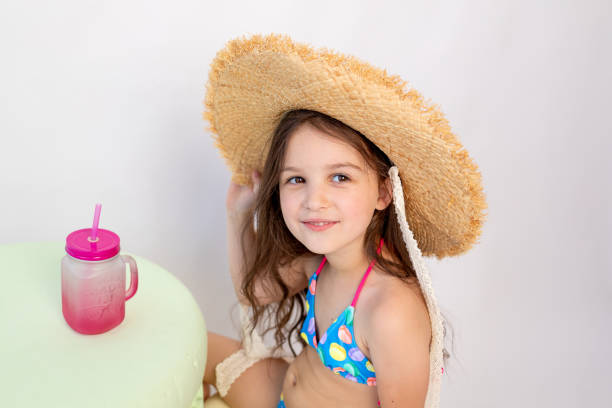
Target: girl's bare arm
x,y
294,274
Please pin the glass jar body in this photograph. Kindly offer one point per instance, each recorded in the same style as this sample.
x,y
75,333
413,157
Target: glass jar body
x,y
93,293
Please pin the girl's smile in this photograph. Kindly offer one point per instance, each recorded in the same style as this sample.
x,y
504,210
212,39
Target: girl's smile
x,y
320,225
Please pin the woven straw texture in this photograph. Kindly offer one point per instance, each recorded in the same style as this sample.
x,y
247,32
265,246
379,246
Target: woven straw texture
x,y
254,81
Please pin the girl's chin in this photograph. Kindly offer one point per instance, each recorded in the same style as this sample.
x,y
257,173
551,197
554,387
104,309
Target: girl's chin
x,y
317,249
317,246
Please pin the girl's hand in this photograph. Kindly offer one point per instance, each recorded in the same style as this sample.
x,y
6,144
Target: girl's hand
x,y
240,198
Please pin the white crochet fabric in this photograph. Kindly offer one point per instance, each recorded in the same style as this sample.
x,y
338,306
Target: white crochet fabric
x,y
233,366
254,350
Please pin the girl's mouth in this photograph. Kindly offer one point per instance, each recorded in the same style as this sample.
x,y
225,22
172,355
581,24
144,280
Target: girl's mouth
x,y
320,226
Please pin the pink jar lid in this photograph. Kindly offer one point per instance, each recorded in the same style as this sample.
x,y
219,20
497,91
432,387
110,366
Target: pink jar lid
x,y
79,246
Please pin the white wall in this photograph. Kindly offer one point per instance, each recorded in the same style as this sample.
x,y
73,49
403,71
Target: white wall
x,y
102,102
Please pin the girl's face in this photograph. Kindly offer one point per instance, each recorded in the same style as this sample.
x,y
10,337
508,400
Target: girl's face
x,y
326,180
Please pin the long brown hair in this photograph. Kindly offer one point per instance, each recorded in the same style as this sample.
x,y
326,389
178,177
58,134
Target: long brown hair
x,y
275,246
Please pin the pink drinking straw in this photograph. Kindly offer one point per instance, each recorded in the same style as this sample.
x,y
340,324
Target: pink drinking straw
x,y
96,221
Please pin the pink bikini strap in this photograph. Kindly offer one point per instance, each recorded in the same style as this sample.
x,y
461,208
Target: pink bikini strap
x,y
321,265
365,276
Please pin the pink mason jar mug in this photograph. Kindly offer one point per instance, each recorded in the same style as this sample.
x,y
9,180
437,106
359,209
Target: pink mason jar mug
x,y
93,281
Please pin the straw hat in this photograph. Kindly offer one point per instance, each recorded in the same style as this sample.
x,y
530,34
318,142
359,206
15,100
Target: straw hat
x,y
437,187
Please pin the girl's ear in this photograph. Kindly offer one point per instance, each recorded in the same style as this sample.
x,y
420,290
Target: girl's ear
x,y
384,194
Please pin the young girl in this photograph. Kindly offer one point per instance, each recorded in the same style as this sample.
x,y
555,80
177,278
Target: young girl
x,y
322,231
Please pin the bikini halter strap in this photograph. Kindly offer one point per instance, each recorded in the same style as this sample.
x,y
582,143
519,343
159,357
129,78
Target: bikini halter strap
x,y
365,275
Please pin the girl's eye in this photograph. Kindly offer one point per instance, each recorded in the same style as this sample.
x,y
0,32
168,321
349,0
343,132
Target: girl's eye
x,y
343,177
294,178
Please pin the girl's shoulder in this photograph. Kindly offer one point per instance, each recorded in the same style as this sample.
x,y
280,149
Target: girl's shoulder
x,y
390,292
387,305
387,282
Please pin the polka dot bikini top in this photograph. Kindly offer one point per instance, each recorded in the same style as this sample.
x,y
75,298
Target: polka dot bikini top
x,y
337,348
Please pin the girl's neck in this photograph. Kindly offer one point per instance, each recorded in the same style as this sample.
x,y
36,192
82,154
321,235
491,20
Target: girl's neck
x,y
348,263
345,270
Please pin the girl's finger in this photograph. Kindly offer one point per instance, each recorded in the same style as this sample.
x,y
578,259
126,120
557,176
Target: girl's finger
x,y
256,180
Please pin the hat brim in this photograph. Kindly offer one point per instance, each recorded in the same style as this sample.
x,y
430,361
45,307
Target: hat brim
x,y
254,81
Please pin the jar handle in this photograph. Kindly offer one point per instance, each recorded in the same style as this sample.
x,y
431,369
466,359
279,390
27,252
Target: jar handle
x,y
133,276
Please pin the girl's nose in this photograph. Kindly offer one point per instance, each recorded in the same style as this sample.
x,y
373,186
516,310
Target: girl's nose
x,y
316,197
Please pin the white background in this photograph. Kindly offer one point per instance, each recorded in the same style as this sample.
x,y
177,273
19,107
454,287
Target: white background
x,y
103,101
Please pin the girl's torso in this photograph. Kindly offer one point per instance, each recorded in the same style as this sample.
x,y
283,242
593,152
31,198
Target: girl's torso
x,y
308,382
